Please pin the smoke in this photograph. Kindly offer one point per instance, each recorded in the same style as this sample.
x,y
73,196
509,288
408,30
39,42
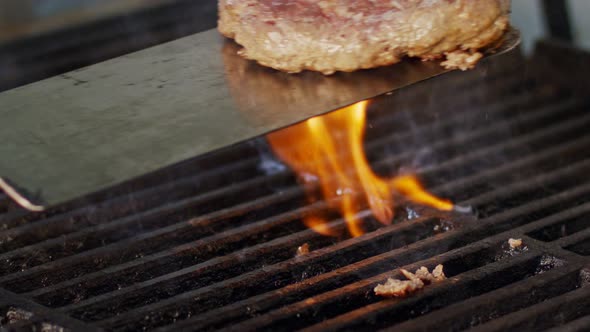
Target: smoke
x,y
268,164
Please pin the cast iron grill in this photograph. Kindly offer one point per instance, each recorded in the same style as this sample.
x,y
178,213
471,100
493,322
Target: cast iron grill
x,y
210,244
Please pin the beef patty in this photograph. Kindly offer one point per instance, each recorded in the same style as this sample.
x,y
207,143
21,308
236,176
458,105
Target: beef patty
x,y
346,35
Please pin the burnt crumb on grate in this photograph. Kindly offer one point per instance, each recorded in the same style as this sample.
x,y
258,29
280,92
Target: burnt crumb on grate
x,y
416,281
47,327
514,243
302,250
443,226
17,319
510,248
436,275
12,315
585,277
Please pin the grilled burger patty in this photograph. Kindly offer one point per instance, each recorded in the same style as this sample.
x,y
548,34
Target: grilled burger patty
x,y
346,35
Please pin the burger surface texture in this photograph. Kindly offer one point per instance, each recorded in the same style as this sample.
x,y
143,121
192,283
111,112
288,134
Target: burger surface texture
x,y
347,35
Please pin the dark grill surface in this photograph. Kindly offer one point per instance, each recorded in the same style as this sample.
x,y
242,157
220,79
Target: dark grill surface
x,y
210,243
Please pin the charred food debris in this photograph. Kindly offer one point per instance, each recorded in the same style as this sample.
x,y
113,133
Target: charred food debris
x,y
416,281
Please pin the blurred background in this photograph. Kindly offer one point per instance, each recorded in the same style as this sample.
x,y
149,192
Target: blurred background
x,y
563,19
41,38
22,18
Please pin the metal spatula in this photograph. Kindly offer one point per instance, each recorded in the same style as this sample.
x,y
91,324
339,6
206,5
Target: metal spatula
x,y
87,130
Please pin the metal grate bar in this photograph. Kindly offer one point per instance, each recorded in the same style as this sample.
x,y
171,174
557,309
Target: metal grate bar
x,y
526,185
564,233
33,232
207,273
226,285
505,109
41,313
119,293
551,111
471,281
578,243
205,245
239,235
570,306
563,129
505,300
346,292
322,282
236,211
576,213
575,238
427,247
167,215
578,325
462,109
492,173
331,257
480,309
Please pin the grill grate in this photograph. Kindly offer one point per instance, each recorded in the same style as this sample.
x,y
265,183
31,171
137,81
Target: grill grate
x,y
210,243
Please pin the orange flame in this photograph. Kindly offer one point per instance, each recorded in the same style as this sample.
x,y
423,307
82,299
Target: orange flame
x,y
329,150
